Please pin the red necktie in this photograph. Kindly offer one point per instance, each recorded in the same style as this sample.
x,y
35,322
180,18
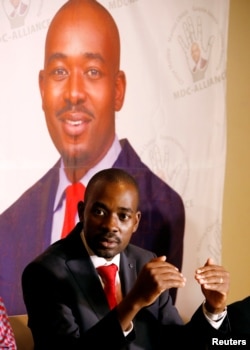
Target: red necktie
x,y
74,194
108,274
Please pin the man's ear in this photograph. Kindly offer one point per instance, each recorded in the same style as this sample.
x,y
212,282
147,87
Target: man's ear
x,y
120,88
41,83
80,210
138,218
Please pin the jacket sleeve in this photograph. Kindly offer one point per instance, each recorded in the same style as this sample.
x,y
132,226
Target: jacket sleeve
x,y
197,334
54,315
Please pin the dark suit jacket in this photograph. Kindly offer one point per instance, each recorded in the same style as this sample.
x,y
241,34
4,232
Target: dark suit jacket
x,y
239,315
67,308
25,227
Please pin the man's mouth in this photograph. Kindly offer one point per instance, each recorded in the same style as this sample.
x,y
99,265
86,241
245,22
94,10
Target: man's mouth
x,y
74,122
109,243
75,126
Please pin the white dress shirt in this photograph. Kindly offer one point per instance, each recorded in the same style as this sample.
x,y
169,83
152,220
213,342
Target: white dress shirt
x,y
99,261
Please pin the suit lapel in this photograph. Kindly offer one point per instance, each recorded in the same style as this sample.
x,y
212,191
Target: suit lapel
x,y
43,210
85,275
128,274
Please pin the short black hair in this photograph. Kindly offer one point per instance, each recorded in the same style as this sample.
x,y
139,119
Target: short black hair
x,y
111,175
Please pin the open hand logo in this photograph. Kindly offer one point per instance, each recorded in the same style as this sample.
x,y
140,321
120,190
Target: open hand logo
x,y
197,53
168,160
16,11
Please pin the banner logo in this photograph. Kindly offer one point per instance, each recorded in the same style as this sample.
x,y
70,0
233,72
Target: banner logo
x,y
169,161
196,51
16,11
115,4
209,243
22,18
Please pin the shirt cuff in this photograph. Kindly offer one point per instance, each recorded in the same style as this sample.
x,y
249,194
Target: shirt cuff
x,y
215,320
129,330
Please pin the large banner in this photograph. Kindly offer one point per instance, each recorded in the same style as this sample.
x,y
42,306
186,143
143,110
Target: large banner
x,y
174,55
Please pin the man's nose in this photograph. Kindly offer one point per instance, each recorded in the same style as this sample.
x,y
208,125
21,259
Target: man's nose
x,y
76,87
111,223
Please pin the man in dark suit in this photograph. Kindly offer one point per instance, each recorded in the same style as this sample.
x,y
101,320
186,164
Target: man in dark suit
x,y
64,291
82,87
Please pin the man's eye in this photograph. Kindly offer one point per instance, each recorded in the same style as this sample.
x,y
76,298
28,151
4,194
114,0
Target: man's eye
x,y
99,212
94,73
60,71
124,217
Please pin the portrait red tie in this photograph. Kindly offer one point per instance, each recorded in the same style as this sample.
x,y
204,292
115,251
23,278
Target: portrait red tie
x,y
74,194
108,275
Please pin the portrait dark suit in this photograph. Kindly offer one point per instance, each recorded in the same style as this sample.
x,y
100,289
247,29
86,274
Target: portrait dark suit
x,y
64,295
25,227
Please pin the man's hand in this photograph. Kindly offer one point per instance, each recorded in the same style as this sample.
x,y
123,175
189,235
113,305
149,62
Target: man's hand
x,y
156,276
214,281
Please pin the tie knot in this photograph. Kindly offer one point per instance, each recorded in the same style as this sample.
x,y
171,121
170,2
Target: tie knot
x,y
108,273
74,194
76,190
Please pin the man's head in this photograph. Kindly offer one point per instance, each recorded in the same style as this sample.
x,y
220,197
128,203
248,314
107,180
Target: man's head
x,y
110,212
81,84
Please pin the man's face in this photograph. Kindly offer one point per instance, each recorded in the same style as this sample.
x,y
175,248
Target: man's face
x,y
81,88
110,218
15,3
195,52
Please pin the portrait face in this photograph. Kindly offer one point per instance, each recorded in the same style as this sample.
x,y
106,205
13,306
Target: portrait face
x,y
81,85
110,217
15,3
195,52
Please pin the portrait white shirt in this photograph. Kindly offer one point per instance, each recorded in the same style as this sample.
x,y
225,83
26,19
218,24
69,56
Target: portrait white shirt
x,y
59,203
